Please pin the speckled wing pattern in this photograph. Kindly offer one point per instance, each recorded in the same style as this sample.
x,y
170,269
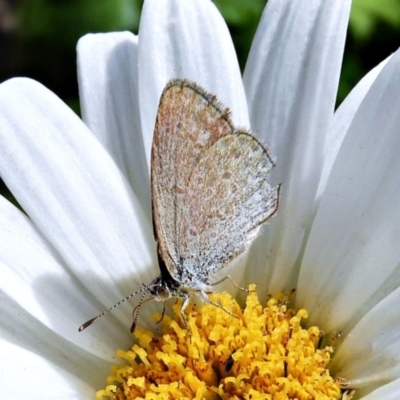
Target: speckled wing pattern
x,y
226,201
209,183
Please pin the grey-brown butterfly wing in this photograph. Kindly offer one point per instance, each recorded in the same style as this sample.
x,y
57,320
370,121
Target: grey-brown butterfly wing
x,y
189,121
225,203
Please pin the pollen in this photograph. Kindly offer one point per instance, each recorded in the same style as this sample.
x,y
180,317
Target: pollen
x,y
262,353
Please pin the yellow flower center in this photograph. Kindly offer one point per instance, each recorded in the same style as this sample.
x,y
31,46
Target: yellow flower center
x,y
262,354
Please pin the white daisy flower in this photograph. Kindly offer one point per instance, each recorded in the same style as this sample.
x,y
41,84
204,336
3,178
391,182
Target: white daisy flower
x,y
86,240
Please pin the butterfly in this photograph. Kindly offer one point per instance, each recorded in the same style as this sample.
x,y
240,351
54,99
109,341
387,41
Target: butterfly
x,y
210,194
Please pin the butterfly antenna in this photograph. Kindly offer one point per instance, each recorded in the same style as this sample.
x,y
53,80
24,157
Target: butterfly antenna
x,y
90,322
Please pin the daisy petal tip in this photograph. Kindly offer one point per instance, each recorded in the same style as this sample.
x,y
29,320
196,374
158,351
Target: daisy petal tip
x,y
86,41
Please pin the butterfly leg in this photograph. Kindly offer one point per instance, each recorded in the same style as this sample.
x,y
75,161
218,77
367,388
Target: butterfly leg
x,y
136,310
186,301
233,282
162,314
205,298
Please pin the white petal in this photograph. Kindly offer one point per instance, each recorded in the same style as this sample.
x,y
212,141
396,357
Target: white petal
x,y
342,120
369,354
391,391
72,190
18,327
186,39
35,277
291,81
108,87
25,375
353,253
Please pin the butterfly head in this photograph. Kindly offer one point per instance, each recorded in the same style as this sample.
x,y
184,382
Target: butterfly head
x,y
160,289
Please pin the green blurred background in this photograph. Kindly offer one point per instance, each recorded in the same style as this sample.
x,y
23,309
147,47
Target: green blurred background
x,y
38,37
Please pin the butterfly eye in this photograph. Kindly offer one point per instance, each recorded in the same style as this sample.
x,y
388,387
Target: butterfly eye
x,y
163,293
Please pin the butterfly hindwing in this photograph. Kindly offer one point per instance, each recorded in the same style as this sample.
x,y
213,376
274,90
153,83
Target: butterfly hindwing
x,y
225,203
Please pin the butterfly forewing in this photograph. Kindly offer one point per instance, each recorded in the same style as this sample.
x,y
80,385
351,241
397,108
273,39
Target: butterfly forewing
x,y
189,121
